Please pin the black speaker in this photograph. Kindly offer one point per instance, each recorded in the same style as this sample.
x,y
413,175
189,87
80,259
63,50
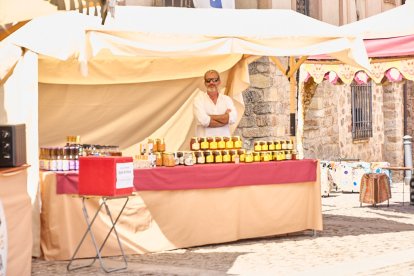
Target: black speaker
x,y
12,145
412,191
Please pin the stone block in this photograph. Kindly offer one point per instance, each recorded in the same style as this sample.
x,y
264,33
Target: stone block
x,y
247,122
266,120
261,81
264,108
253,95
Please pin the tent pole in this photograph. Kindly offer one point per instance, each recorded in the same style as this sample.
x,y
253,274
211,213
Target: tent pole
x,y
292,97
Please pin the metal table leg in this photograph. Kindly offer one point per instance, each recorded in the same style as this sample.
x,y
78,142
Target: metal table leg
x,y
89,230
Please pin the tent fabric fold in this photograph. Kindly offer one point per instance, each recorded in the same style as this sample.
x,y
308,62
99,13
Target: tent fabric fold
x,y
156,66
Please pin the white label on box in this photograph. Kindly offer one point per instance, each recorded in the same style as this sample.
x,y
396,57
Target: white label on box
x,y
124,175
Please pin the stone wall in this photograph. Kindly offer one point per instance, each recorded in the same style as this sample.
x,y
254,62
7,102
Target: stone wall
x,y
328,126
266,115
321,130
393,123
410,109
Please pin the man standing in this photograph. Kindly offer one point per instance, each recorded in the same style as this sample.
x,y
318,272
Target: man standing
x,y
214,111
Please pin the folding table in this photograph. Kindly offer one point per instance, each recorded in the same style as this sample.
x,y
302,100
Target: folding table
x,y
89,231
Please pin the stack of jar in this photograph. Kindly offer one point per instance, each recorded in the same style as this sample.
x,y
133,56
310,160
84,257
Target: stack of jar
x,y
274,150
59,158
209,150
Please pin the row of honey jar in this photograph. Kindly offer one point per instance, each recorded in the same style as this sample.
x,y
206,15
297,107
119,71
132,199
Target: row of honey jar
x,y
273,145
215,143
221,156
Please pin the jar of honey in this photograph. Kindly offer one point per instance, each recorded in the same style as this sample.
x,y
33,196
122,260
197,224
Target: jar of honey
x,y
257,146
158,159
242,154
229,142
248,157
200,159
212,144
209,157
168,159
161,145
221,144
265,156
237,142
194,144
232,152
204,144
278,146
280,155
288,154
271,145
218,158
226,156
274,155
289,144
283,144
256,156
263,146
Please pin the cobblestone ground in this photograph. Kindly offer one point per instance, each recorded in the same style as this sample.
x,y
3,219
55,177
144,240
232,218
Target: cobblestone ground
x,y
356,240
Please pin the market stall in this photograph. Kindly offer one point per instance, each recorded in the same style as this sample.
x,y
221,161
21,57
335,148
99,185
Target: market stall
x,y
136,77
173,209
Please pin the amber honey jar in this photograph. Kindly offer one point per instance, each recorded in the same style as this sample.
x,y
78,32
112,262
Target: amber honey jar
x,y
278,146
212,144
263,146
194,144
274,155
257,146
226,156
229,142
168,159
158,159
218,158
204,144
265,156
209,157
161,145
237,142
271,146
256,156
154,145
232,152
242,154
248,157
221,144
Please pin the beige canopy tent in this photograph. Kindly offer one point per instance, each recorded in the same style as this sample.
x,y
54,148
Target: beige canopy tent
x,y
163,60
135,77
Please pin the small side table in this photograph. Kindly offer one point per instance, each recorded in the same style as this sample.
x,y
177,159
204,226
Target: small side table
x,y
89,223
375,188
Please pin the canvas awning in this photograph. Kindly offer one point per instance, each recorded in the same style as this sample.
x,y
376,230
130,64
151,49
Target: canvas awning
x,y
147,54
389,41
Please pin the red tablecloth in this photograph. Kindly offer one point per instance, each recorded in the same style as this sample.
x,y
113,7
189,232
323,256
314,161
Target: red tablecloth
x,y
210,176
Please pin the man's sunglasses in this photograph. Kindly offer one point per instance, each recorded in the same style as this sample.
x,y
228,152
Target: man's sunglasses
x,y
211,80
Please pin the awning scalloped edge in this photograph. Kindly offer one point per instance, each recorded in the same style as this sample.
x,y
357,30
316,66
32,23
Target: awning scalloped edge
x,y
347,72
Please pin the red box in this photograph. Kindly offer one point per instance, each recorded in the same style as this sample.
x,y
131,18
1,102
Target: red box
x,y
105,176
